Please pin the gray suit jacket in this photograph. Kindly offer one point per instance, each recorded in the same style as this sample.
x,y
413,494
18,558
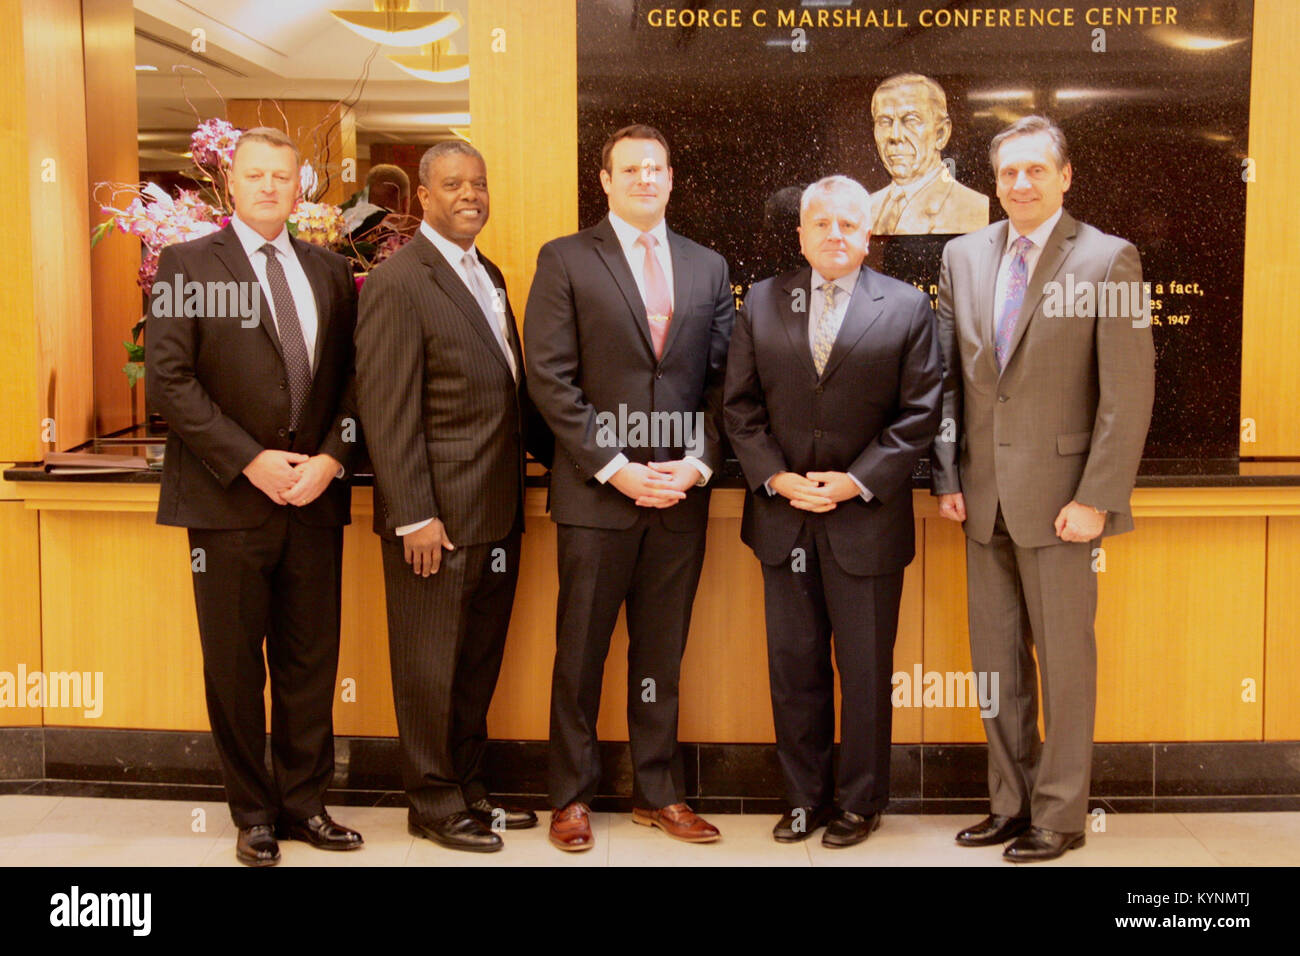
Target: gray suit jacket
x,y
1067,417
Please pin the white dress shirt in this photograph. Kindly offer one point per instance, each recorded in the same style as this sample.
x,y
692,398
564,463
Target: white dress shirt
x,y
304,302
1039,239
634,253
455,257
816,303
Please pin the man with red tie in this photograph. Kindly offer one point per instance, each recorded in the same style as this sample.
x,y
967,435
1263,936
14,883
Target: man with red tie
x,y
625,338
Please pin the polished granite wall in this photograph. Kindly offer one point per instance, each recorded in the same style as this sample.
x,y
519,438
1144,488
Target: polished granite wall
x,y
1157,125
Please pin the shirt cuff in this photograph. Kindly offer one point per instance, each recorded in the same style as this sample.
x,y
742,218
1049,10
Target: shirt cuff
x,y
606,473
705,471
340,473
767,485
866,495
406,529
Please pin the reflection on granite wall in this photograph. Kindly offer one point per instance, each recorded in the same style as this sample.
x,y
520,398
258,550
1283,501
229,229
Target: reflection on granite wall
x,y
758,99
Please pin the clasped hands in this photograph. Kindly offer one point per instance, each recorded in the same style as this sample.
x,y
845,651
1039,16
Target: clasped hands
x,y
817,491
1074,522
290,477
656,484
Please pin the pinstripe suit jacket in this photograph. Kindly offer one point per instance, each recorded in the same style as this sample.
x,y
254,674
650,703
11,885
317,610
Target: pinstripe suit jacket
x,y
446,424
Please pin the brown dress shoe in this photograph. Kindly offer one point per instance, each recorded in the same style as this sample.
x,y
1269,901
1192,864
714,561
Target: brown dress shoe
x,y
678,821
571,827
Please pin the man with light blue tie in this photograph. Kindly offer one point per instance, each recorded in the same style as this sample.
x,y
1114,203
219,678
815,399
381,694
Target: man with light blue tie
x,y
832,396
1046,407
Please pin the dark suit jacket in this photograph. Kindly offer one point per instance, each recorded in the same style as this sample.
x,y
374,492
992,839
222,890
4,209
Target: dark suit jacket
x,y
872,413
224,390
447,424
589,352
1067,416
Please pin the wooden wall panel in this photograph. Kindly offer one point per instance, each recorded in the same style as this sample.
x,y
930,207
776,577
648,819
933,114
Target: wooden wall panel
x,y
1270,362
1171,592
1180,625
20,624
1281,690
524,119
113,156
45,372
60,221
20,395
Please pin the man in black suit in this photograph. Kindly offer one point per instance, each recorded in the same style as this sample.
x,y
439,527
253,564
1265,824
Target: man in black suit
x,y
833,391
259,406
441,390
626,331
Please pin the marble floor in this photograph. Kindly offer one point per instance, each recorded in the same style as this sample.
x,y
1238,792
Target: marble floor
x,y
81,831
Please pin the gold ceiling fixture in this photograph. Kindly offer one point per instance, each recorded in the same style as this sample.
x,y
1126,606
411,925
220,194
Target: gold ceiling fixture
x,y
434,64
394,23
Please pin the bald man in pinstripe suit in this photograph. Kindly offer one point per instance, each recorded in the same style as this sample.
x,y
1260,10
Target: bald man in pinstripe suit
x,y
442,397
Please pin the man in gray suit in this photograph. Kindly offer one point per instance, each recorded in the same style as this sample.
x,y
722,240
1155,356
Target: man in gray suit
x,y
441,390
1048,386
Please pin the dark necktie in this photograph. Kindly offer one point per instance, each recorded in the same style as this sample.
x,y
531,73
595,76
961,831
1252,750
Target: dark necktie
x,y
289,330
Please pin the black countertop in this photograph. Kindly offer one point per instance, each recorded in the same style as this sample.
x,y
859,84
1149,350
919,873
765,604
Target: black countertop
x,y
1154,473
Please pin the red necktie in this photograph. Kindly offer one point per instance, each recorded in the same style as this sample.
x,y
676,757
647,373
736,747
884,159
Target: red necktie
x,y
658,300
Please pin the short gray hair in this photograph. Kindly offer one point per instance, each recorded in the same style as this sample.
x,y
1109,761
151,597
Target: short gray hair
x,y
1028,126
445,148
832,185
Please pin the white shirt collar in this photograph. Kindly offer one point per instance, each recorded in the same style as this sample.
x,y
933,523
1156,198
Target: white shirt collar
x,y
252,240
1039,236
628,234
450,250
845,283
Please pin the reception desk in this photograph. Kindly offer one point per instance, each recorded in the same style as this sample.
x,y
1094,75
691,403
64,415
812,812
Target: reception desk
x,y
1196,636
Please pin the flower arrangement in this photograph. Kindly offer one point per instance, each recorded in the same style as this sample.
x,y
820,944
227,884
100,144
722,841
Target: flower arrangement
x,y
146,211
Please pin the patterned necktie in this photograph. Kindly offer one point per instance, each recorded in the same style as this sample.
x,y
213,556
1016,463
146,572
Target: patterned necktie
x,y
1017,279
658,300
890,213
289,329
493,310
827,329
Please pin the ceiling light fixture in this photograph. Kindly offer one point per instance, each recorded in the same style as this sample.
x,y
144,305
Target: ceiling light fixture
x,y
434,64
393,23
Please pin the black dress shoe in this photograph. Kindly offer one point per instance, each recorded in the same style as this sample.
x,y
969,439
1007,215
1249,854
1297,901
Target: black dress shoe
x,y
489,813
849,828
256,846
321,832
993,829
1041,844
799,823
459,831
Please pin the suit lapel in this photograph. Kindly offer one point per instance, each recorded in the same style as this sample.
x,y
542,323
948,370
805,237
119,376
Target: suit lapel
x,y
456,290
865,306
320,289
796,322
230,251
1055,250
683,274
611,251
